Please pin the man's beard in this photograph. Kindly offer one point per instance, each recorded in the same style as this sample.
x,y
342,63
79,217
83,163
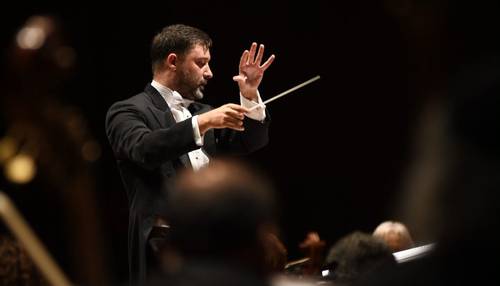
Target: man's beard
x,y
189,87
198,93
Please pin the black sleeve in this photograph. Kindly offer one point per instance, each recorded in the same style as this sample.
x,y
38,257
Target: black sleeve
x,y
255,136
132,139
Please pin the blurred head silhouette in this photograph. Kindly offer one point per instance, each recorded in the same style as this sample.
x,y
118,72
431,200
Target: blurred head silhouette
x,y
356,255
222,212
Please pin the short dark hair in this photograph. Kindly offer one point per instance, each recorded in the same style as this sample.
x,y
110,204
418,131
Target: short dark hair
x,y
177,39
356,255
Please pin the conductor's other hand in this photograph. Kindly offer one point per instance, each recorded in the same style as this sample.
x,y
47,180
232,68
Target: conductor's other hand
x,y
251,71
227,116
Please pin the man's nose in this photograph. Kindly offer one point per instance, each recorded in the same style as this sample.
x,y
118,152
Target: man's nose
x,y
208,73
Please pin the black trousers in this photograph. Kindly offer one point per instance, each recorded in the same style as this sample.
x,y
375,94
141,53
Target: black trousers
x,y
156,242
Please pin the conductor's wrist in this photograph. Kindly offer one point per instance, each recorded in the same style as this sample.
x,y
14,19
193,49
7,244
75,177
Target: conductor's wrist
x,y
203,123
250,94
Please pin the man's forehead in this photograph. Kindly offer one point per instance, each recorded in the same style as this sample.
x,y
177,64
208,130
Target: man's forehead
x,y
199,51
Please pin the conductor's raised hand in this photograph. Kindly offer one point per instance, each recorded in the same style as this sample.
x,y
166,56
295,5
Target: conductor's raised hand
x,y
227,116
251,71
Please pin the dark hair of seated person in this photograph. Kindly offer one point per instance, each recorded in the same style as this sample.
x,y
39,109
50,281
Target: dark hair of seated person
x,y
355,256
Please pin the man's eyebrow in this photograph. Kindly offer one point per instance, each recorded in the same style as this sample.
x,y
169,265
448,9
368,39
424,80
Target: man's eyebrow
x,y
202,58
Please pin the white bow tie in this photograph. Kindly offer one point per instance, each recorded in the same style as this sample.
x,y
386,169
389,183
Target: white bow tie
x,y
178,101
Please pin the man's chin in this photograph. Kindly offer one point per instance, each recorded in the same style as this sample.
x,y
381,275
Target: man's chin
x,y
198,94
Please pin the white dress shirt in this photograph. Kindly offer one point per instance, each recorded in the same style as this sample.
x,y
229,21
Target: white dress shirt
x,y
178,106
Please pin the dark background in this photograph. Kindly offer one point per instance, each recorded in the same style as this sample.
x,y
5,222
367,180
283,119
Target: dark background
x,y
339,148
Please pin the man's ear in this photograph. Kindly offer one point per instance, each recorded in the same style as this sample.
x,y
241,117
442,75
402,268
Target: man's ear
x,y
171,61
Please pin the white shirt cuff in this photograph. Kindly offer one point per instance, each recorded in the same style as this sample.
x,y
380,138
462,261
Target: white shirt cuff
x,y
198,139
259,112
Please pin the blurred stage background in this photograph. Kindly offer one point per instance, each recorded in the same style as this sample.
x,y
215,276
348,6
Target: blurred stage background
x,y
339,148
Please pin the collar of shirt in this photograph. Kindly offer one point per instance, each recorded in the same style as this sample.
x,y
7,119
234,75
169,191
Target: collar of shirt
x,y
173,98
